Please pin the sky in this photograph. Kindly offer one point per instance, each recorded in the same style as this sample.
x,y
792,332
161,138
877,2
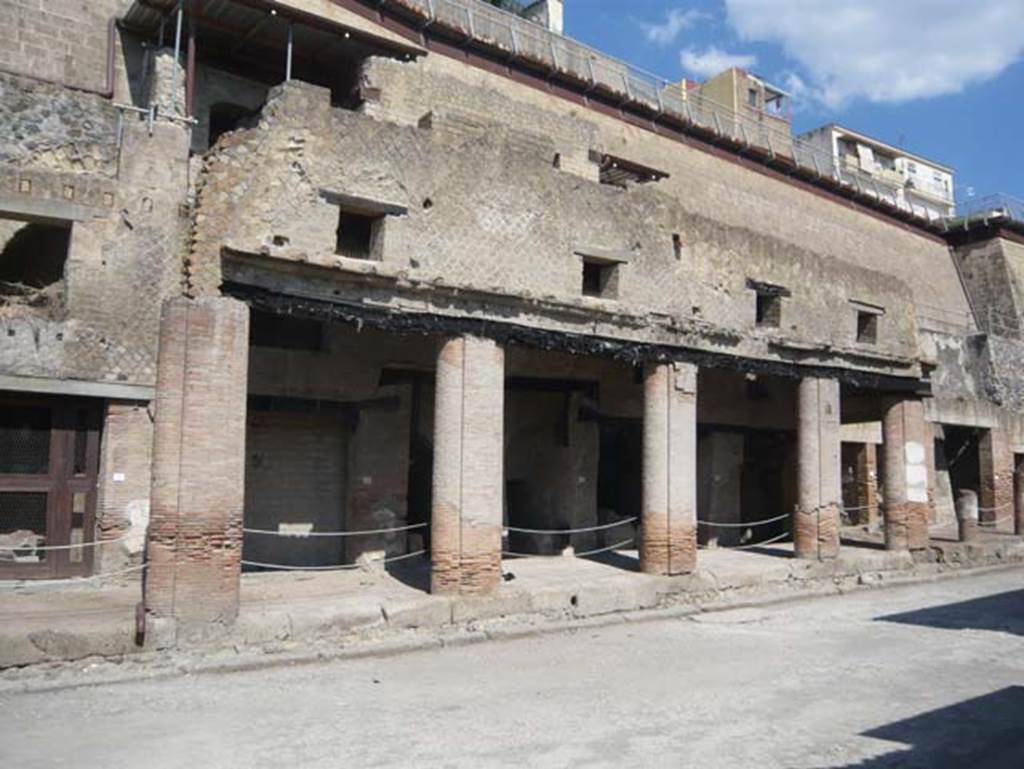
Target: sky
x,y
939,78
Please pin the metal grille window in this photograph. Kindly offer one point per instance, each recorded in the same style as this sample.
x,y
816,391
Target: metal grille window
x,y
24,440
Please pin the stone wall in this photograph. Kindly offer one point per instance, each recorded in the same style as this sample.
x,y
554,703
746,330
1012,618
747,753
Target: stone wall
x,y
699,182
990,285
63,157
65,41
476,212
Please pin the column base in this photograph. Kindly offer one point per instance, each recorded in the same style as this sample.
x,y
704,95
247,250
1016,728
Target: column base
x,y
816,533
906,526
669,553
967,530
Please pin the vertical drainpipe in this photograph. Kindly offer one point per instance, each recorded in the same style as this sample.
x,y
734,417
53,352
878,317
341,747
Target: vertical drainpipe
x,y
177,54
288,58
190,65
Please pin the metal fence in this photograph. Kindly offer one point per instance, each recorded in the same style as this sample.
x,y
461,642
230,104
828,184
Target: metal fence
x,y
991,207
616,79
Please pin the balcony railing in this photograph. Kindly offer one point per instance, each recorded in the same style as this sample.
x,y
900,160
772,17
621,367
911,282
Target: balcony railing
x,y
599,73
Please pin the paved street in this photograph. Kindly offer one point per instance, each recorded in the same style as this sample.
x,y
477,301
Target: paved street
x,y
923,676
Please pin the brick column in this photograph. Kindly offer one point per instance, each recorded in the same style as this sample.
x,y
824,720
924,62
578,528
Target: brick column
x,y
468,467
906,475
194,541
996,459
668,540
819,484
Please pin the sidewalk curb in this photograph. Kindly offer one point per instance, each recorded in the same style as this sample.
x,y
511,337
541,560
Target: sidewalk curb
x,y
159,665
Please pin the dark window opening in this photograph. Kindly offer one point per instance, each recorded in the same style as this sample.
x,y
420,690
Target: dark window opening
x,y
867,327
226,117
752,97
285,332
600,279
32,264
358,235
769,310
677,245
768,303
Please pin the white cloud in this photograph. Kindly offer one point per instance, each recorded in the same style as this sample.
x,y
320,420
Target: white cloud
x,y
887,50
676,20
713,60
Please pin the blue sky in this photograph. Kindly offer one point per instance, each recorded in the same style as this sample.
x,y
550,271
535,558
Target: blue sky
x,y
941,78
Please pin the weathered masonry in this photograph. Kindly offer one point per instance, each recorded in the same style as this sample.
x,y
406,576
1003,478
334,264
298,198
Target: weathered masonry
x,y
299,285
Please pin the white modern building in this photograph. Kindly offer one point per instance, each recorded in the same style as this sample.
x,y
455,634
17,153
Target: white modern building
x,y
917,183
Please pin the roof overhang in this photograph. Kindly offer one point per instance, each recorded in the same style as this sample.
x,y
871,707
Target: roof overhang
x,y
257,28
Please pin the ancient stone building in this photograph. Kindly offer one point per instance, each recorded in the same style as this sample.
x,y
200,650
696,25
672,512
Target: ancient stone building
x,y
434,274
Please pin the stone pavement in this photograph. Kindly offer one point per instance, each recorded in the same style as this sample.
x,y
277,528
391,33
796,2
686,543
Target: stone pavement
x,y
322,613
921,676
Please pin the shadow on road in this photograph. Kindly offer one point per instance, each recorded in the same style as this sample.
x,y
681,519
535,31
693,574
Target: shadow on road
x,y
1003,612
984,733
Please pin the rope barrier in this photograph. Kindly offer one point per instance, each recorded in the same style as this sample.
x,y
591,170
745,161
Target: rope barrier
x,y
512,554
342,567
48,548
995,509
572,531
744,524
76,580
365,533
997,521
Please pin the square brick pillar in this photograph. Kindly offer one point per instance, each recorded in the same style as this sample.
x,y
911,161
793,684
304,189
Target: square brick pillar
x,y
907,510
469,473
819,479
194,543
996,500
668,532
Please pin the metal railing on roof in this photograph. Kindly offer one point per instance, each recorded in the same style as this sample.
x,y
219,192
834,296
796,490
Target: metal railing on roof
x,y
600,73
991,207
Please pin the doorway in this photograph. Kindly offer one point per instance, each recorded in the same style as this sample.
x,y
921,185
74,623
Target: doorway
x,y
49,466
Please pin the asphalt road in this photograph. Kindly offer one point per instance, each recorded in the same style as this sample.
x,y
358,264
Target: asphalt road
x,y
925,676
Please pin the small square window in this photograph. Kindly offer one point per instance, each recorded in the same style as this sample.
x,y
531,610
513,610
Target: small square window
x,y
768,310
752,97
600,279
867,327
358,235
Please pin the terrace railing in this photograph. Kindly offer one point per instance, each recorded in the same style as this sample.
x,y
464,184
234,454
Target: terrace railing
x,y
991,207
